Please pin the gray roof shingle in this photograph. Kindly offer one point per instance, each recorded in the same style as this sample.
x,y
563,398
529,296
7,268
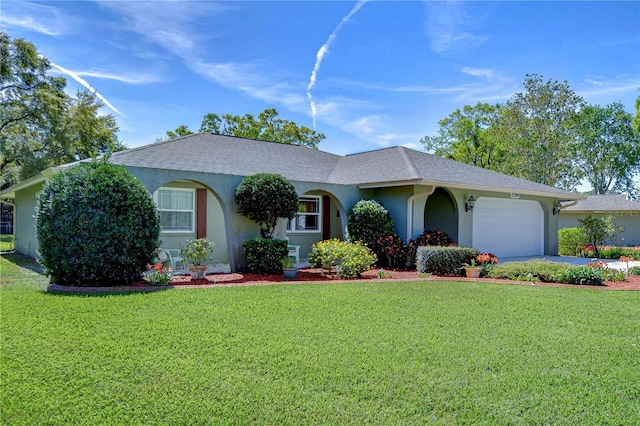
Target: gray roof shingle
x,y
245,157
604,202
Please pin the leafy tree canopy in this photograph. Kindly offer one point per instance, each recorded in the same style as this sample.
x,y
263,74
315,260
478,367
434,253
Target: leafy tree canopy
x,y
608,148
466,136
267,127
40,125
537,126
546,134
266,197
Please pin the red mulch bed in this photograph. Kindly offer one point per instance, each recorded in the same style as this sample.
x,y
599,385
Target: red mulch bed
x,y
320,276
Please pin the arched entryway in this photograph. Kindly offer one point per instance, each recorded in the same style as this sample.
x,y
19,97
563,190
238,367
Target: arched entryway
x,y
440,213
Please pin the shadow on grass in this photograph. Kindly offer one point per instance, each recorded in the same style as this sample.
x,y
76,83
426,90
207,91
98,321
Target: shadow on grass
x,y
24,262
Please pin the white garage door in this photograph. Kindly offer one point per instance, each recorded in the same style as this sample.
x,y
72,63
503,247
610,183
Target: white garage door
x,y
508,227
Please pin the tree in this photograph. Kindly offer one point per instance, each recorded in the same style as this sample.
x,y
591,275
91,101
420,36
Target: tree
x,y
367,221
608,148
40,125
96,225
537,130
267,127
636,119
465,136
598,230
265,198
180,131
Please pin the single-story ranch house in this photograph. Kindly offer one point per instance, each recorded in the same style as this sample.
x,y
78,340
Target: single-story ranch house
x,y
193,180
625,212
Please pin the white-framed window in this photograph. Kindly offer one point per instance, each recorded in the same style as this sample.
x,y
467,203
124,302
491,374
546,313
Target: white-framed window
x,y
308,218
177,209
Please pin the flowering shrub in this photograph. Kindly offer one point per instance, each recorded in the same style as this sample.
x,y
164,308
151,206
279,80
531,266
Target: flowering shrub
x,y
608,274
486,262
610,252
157,274
350,259
398,254
434,237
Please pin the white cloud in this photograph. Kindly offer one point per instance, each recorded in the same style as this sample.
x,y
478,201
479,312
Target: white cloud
x,y
35,17
84,83
129,79
322,52
448,26
486,73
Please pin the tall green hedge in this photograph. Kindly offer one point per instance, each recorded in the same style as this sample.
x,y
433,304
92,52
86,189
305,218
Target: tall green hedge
x,y
264,255
96,225
367,221
571,241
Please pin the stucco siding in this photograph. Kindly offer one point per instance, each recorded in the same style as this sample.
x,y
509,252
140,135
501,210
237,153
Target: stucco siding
x,y
628,226
26,240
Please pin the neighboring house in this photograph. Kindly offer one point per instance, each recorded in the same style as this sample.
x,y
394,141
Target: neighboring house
x,y
625,212
193,180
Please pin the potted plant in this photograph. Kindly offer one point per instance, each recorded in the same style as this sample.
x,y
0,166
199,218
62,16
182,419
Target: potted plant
x,y
472,270
288,268
195,256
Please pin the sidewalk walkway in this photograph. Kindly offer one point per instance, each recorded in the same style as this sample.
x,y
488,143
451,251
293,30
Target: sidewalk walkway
x,y
580,261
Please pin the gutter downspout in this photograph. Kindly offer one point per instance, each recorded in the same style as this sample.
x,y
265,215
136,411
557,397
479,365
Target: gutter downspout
x,y
410,202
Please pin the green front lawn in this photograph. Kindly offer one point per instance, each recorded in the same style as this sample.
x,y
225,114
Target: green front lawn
x,y
6,242
381,353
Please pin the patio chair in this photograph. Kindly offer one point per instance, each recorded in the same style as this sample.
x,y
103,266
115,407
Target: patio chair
x,y
294,251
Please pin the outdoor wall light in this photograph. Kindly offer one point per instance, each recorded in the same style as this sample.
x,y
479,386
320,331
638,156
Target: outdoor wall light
x,y
557,208
468,206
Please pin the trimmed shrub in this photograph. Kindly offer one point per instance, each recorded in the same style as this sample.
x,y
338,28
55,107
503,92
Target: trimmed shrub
x,y
350,259
582,275
571,241
96,225
264,255
266,197
531,270
444,260
367,221
400,255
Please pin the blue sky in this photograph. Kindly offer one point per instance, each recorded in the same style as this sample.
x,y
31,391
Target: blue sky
x,y
367,74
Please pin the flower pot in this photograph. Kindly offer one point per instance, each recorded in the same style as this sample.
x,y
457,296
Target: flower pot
x,y
198,271
473,272
290,273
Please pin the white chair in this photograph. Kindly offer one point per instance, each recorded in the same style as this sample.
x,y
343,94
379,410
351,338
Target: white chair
x,y
175,259
294,251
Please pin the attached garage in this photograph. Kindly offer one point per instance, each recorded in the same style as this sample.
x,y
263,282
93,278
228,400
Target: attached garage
x,y
508,227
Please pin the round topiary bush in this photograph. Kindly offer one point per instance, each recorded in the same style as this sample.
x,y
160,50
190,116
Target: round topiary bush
x,y
367,221
266,197
96,225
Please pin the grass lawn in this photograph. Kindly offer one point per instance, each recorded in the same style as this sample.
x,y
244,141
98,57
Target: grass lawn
x,y
6,242
378,352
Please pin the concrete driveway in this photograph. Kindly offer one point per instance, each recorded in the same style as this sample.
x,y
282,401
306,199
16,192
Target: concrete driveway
x,y
580,261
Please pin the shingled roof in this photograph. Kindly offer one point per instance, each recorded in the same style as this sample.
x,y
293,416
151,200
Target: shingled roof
x,y
604,203
384,167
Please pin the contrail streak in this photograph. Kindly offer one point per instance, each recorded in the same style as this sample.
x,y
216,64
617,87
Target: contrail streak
x,y
84,82
320,55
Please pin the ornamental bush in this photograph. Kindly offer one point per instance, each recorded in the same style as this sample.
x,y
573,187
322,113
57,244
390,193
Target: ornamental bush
x,y
96,225
350,259
571,241
264,255
266,197
367,221
444,260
